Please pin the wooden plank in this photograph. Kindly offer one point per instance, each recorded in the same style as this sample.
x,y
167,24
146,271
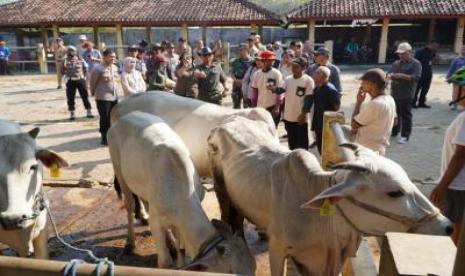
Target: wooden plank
x,y
412,254
13,266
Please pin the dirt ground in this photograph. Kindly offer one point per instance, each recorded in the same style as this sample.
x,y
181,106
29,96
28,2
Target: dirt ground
x,y
93,218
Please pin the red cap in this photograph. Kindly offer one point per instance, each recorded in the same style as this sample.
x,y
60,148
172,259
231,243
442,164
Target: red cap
x,y
161,58
267,55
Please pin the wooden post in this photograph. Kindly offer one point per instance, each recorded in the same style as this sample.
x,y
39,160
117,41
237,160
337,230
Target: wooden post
x,y
459,267
185,32
260,31
204,35
329,44
459,33
96,37
148,34
383,41
311,31
42,59
44,37
253,28
431,28
226,57
119,41
56,31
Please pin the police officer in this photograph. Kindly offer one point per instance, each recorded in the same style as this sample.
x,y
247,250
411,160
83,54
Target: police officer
x,y
239,67
209,76
75,69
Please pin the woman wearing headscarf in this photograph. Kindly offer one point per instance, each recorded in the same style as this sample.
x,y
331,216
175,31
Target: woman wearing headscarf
x,y
131,79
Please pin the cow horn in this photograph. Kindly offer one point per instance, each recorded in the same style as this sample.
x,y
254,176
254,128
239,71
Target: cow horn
x,y
351,146
353,166
34,132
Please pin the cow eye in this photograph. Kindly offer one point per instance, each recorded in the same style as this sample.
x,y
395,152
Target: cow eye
x,y
34,167
395,194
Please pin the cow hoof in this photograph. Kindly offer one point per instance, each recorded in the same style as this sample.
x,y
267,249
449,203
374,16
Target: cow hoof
x,y
262,236
128,249
144,221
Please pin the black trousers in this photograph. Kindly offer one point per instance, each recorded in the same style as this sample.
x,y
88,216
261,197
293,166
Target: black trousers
x,y
423,88
3,67
404,118
297,135
277,117
81,86
237,97
104,109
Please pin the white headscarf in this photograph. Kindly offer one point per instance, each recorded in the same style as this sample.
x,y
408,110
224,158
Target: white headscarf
x,y
126,62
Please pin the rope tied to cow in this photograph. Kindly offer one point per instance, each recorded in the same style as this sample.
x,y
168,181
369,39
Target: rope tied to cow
x,y
72,266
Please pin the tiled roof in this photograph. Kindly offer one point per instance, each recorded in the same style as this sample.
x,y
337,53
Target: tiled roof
x,y
134,12
354,9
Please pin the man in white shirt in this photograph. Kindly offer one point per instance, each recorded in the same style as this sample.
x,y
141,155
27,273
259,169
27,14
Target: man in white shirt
x,y
450,192
264,82
372,123
296,88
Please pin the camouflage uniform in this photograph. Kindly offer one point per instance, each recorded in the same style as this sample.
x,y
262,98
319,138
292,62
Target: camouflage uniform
x,y
209,87
239,68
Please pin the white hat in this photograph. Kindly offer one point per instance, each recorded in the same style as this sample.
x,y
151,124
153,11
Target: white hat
x,y
82,37
403,47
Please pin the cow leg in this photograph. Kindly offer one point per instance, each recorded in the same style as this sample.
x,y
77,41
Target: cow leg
x,y
277,257
130,204
40,244
159,235
229,214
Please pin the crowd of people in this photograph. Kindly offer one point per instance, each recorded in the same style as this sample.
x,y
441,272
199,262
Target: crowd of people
x,y
291,83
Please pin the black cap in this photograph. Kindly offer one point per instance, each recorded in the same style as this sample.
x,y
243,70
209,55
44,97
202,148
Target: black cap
x,y
182,39
322,51
205,51
377,76
300,61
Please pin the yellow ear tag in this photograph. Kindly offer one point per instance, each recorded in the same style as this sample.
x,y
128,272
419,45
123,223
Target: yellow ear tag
x,y
55,171
327,209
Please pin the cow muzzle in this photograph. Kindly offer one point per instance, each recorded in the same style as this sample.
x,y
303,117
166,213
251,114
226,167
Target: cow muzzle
x,y
13,221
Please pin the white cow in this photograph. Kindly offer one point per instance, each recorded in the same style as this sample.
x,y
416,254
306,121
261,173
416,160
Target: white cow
x,y
268,184
23,217
191,119
151,161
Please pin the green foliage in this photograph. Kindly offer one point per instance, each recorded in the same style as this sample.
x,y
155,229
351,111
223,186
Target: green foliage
x,y
280,6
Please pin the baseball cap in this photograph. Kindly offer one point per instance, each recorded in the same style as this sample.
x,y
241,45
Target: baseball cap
x,y
133,48
82,37
375,75
243,46
182,39
300,61
71,48
205,51
403,47
322,51
267,55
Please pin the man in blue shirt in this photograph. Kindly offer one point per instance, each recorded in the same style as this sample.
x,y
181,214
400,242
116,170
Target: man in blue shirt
x,y
4,54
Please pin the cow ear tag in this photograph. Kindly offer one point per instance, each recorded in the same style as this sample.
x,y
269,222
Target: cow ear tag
x,y
55,171
327,209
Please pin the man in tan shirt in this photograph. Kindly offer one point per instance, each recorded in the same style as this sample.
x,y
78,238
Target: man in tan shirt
x,y
59,50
